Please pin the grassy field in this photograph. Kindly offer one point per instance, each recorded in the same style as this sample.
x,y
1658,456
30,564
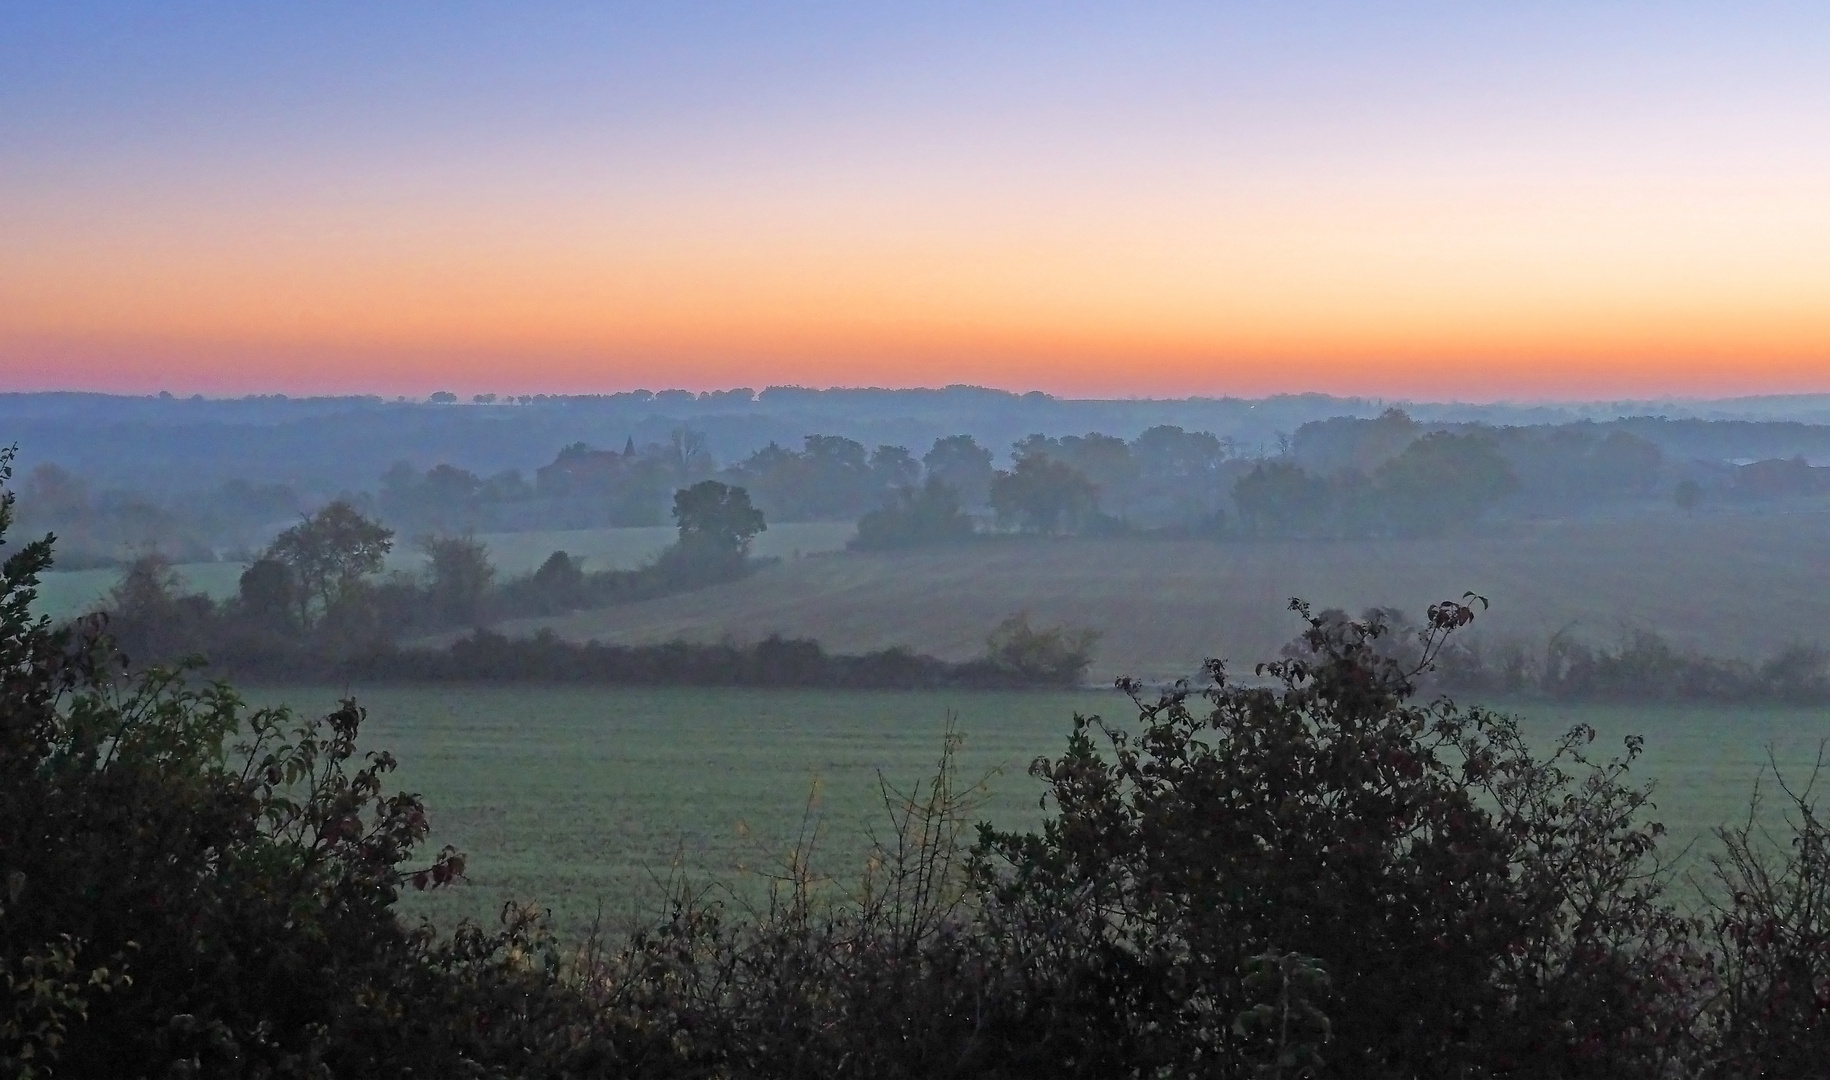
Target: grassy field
x,y
66,593
582,797
1732,585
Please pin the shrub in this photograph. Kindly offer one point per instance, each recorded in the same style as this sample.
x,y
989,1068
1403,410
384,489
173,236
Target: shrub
x,y
1420,854
1770,930
1054,654
189,886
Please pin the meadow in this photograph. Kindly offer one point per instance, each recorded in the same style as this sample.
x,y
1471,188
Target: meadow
x,y
1741,585
587,799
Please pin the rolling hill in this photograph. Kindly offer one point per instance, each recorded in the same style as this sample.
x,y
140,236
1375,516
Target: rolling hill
x,y
1733,585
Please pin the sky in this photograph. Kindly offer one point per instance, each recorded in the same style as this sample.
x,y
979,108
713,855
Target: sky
x,y
1473,200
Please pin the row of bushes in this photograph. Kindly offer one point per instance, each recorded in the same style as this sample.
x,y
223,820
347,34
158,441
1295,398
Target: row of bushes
x,y
317,599
1643,666
1018,656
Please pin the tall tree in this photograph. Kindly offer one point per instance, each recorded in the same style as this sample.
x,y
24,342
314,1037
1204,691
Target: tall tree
x,y
1042,494
959,462
460,573
1443,479
713,513
328,554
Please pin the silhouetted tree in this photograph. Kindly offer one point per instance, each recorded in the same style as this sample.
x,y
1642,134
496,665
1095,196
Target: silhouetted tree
x,y
893,469
930,514
714,513
1281,498
963,465
269,594
460,575
1441,480
328,554
1042,494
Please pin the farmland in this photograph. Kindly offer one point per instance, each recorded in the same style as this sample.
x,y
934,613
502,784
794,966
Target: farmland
x,y
577,797
1734,585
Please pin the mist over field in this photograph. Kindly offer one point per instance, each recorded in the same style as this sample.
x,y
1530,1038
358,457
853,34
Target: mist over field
x,y
1193,521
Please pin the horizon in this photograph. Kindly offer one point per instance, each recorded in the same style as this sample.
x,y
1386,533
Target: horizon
x,y
498,397
1775,403
1483,204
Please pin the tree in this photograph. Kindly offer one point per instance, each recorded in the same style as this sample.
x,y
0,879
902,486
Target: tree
x,y
190,887
687,455
1687,495
914,517
461,574
829,478
1179,474
963,465
150,616
1041,494
328,554
717,514
1056,654
1106,461
560,581
894,469
446,497
1281,498
1443,480
269,594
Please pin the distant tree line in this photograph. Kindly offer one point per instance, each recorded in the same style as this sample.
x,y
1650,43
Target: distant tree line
x,y
581,487
108,526
315,605
1017,656
1341,478
317,598
1338,478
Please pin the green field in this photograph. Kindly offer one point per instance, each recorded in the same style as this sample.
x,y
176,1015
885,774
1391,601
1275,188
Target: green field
x,y
576,797
64,593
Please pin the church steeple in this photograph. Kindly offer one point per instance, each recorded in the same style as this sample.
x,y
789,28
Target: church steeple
x,y
629,447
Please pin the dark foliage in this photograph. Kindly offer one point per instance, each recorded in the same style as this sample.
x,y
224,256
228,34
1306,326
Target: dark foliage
x,y
774,661
1642,667
830,478
1043,494
1420,854
1436,483
717,518
313,606
915,517
193,888
959,462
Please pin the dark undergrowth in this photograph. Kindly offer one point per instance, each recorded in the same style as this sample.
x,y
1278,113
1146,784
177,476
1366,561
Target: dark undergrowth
x,y
775,661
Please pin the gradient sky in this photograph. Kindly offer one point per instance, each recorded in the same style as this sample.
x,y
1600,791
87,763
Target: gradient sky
x,y
1472,199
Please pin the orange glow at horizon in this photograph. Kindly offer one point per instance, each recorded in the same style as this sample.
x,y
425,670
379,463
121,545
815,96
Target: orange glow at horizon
x,y
1480,201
